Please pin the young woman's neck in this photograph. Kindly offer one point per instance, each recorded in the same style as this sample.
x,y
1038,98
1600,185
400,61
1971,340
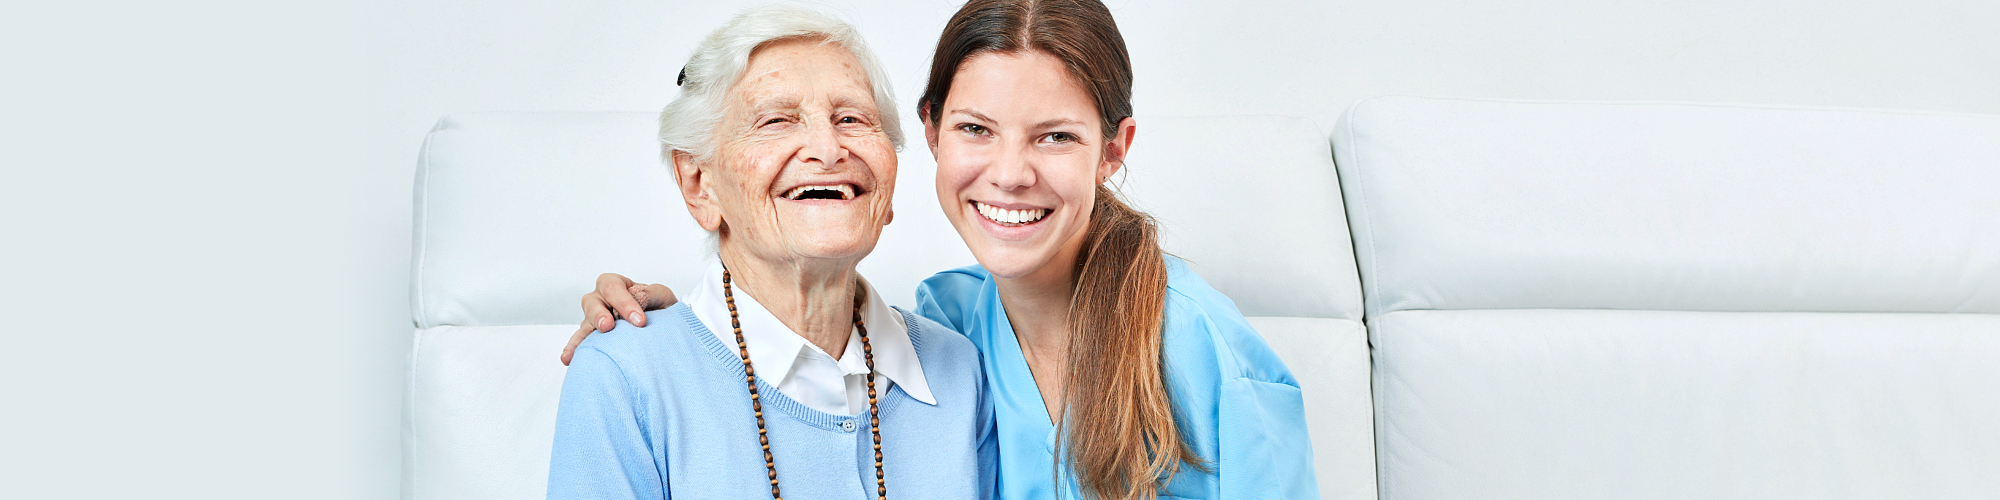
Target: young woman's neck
x,y
813,297
1037,303
1037,306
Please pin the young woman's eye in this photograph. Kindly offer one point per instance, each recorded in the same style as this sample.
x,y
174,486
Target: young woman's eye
x,y
973,129
1062,137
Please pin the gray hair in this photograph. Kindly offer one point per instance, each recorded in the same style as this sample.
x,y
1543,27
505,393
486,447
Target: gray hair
x,y
688,123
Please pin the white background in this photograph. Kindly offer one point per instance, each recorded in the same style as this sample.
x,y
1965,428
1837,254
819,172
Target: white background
x,y
207,205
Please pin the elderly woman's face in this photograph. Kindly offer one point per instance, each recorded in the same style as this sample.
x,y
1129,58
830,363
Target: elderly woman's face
x,y
803,168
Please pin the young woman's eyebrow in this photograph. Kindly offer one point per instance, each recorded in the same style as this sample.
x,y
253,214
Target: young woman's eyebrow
x,y
975,115
1057,123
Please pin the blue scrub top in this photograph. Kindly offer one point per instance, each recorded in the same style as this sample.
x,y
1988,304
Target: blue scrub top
x,y
1240,408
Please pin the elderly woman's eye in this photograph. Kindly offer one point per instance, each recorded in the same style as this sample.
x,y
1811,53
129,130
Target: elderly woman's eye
x,y
849,120
774,120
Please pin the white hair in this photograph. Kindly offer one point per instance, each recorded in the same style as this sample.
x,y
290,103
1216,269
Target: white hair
x,y
688,123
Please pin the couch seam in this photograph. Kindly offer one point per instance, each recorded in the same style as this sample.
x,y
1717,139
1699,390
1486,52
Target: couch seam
x,y
410,416
1372,285
1370,292
418,309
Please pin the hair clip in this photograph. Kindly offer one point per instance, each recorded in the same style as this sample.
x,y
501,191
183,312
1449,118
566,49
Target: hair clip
x,y
683,78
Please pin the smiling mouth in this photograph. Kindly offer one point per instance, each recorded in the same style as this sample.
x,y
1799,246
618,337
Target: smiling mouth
x,y
1006,217
823,192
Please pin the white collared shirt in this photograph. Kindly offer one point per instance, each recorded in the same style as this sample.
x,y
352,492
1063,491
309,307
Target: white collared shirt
x,y
801,369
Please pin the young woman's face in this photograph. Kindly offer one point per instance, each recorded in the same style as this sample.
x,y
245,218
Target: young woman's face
x,y
1020,151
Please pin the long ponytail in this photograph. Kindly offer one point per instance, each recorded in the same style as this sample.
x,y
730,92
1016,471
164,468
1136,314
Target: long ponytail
x,y
1118,425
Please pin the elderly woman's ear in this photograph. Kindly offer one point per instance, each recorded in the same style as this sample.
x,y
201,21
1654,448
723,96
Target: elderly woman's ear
x,y
694,190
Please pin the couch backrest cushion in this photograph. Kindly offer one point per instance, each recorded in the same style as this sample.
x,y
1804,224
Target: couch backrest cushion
x,y
517,213
1253,203
1593,300
1463,204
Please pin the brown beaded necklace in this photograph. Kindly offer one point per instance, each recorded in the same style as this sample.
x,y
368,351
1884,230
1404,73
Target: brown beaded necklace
x,y
757,405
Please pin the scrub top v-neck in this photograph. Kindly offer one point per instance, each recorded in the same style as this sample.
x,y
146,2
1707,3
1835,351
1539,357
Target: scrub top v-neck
x,y
1021,416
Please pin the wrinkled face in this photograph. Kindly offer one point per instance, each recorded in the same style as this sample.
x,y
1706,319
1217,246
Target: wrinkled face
x,y
1020,150
803,168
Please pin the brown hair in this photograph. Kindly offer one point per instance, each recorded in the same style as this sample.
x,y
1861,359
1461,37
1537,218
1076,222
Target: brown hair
x,y
1120,436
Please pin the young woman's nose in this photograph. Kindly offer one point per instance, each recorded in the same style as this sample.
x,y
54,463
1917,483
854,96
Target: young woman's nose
x,y
1011,169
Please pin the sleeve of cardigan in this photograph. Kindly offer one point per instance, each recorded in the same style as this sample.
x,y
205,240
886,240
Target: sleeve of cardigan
x,y
601,450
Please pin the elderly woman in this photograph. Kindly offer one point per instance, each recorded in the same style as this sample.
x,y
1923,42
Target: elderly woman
x,y
783,372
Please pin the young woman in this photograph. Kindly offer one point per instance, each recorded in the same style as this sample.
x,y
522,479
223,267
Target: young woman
x,y
1115,371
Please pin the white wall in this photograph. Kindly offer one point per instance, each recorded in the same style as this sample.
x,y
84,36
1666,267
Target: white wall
x,y
195,304
207,205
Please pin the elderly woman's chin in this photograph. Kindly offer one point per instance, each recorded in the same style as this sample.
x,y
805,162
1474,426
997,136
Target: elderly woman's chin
x,y
831,229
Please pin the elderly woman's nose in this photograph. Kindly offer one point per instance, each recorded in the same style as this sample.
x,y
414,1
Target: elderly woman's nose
x,y
822,143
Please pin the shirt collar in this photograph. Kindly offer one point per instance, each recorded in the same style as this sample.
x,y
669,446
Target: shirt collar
x,y
774,347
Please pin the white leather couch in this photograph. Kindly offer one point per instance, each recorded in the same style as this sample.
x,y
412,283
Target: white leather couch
x,y
1629,300
1565,300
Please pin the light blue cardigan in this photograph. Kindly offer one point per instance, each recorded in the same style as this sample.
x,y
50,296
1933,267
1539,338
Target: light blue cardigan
x,y
661,412
1238,406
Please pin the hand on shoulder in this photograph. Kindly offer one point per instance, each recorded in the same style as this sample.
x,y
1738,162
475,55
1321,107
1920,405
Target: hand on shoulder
x,y
616,297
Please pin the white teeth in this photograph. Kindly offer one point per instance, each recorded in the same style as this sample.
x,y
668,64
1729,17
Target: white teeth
x,y
846,191
1006,216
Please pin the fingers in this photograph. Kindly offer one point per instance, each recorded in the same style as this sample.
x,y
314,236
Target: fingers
x,y
616,292
596,314
654,297
582,330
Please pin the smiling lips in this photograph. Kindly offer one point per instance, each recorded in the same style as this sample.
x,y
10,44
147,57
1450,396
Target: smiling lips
x,y
821,192
1007,217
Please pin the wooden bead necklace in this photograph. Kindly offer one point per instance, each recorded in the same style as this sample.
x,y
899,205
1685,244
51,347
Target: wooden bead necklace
x,y
757,405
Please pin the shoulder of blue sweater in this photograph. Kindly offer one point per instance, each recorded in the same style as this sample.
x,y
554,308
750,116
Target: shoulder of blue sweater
x,y
628,344
933,339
